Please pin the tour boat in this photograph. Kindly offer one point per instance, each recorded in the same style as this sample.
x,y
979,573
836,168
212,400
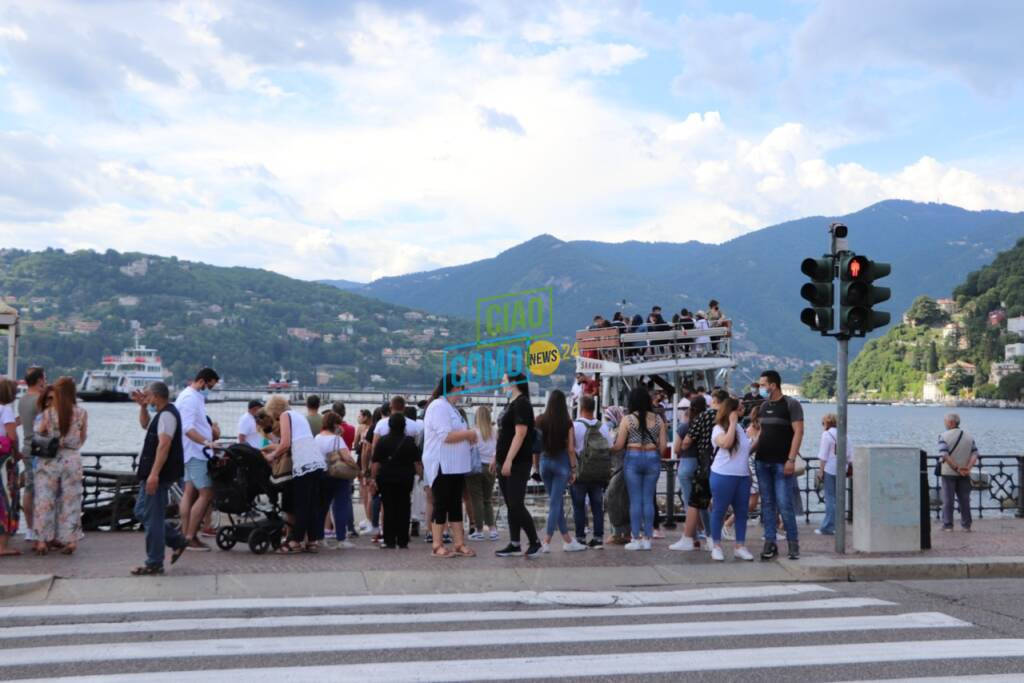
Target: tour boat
x,y
120,375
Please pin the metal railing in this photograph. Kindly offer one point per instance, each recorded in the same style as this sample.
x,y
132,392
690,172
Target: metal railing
x,y
619,345
996,480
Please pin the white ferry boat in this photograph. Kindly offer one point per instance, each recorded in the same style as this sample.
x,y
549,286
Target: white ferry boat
x,y
121,375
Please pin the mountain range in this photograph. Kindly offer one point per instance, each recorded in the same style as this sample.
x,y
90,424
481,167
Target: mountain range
x,y
755,277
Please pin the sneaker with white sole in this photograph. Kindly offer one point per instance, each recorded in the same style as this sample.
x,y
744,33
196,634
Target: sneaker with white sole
x,y
728,533
635,544
493,535
646,543
716,554
476,536
364,525
573,546
331,543
741,553
685,544
346,545
544,548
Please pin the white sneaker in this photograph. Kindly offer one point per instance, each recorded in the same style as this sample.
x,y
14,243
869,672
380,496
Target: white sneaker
x,y
709,545
493,535
364,525
375,531
635,544
728,533
545,548
331,543
647,544
716,554
346,545
741,553
573,546
30,535
685,543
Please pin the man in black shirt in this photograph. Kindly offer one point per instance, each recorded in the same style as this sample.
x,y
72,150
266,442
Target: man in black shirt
x,y
782,431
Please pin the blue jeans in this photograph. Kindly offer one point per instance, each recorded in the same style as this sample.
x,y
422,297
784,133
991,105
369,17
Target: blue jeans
x,y
152,512
594,491
554,471
776,498
341,507
687,468
828,525
642,469
729,490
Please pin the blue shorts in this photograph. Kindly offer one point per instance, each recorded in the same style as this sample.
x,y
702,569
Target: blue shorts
x,y
196,472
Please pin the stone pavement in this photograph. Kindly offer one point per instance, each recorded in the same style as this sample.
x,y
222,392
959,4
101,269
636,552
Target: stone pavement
x,y
994,549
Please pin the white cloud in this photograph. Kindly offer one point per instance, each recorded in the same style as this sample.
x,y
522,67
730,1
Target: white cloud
x,y
413,140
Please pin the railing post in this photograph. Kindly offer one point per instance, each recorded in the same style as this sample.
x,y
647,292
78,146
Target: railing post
x,y
1020,486
670,494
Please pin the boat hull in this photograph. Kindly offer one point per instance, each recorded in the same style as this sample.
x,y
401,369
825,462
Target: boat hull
x,y
104,396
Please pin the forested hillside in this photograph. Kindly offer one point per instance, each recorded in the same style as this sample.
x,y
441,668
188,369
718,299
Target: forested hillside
x,y
248,323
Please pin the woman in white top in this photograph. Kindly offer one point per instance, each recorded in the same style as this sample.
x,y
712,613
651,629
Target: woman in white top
x,y
730,478
308,466
827,471
337,493
446,460
481,484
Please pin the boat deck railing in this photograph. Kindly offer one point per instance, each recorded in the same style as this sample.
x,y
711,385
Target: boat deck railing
x,y
611,349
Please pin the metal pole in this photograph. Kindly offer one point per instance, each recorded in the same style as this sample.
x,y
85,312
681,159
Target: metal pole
x,y
842,359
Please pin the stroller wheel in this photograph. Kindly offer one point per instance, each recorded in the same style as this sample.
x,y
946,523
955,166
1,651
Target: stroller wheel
x,y
259,541
226,537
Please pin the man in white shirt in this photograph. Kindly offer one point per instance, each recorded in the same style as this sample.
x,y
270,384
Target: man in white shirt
x,y
196,439
413,428
248,432
594,491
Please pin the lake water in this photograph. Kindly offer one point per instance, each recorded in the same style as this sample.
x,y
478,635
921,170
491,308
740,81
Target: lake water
x,y
113,427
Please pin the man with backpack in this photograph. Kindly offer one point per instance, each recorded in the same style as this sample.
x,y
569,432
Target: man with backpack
x,y
594,462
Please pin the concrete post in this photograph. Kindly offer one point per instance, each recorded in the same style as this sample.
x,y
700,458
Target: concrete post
x,y
886,498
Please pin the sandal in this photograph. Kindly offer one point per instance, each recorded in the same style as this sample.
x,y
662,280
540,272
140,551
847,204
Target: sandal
x,y
312,548
442,553
289,548
463,551
146,570
69,549
178,552
40,549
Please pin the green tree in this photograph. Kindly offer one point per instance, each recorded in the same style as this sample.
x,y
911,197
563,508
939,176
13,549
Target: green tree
x,y
924,311
1011,386
958,380
820,383
933,358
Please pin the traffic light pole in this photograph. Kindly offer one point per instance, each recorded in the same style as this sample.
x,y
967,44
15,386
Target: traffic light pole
x,y
842,362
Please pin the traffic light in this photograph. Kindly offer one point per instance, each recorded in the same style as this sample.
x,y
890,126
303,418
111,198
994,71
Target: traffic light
x,y
819,292
858,294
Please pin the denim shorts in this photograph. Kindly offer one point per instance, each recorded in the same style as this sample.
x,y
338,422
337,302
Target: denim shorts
x,y
196,472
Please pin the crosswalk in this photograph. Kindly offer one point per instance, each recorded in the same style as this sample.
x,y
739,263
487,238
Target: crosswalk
x,y
805,630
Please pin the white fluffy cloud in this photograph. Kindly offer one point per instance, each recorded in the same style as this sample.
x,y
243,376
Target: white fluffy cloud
x,y
376,140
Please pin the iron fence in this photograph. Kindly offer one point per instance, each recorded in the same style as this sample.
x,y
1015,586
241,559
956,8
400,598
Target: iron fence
x,y
110,487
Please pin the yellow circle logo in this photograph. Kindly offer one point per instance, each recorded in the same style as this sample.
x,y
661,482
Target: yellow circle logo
x,y
543,358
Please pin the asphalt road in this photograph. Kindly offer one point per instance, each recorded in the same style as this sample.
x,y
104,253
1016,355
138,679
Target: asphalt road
x,y
925,630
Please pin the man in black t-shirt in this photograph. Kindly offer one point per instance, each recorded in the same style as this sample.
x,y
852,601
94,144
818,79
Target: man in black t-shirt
x,y
782,431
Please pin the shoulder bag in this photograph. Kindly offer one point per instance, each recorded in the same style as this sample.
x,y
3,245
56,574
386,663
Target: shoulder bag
x,y
281,469
339,468
44,446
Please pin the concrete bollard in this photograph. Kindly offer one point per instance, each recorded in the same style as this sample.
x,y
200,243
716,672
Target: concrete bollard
x,y
887,499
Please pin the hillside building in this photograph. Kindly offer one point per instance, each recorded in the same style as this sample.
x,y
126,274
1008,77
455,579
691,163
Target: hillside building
x,y
1001,370
932,391
947,306
1014,351
1015,325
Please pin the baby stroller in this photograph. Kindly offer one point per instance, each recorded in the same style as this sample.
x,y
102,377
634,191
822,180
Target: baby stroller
x,y
242,490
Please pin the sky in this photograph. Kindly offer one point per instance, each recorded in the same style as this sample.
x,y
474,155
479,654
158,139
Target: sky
x,y
358,140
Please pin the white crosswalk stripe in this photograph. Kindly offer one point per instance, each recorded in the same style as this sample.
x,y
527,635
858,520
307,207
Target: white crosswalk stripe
x,y
384,638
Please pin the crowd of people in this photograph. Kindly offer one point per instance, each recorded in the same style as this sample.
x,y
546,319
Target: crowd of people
x,y
434,465
695,343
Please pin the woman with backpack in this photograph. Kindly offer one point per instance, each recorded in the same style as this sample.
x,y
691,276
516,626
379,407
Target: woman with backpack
x,y
642,435
558,467
593,456
730,478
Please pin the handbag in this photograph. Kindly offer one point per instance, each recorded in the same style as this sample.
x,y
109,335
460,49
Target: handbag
x,y
44,446
700,492
799,466
339,468
281,469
